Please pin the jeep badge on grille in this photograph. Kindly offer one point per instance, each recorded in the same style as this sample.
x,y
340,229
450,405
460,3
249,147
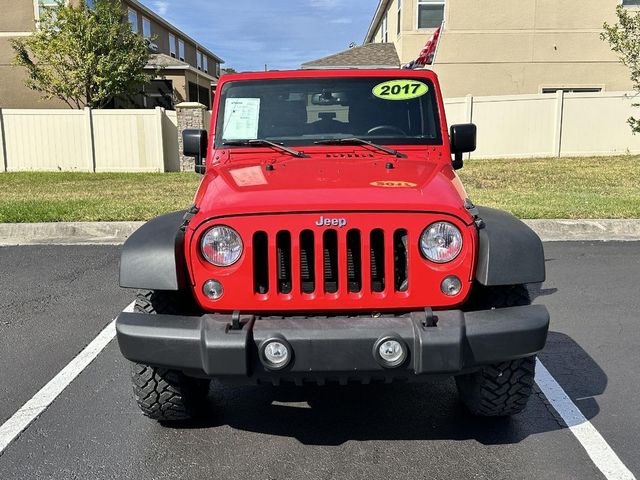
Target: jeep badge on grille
x,y
331,222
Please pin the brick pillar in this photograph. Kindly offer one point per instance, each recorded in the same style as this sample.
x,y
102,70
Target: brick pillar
x,y
190,116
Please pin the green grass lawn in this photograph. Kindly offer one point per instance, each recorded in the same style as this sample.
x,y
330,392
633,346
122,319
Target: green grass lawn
x,y
66,197
600,187
594,187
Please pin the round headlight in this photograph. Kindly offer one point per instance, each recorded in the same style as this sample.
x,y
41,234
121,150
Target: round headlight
x,y
221,246
441,242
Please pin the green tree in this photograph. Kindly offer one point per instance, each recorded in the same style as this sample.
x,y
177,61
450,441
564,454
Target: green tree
x,y
624,38
83,56
228,70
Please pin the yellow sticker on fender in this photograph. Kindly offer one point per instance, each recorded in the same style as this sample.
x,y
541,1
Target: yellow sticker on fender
x,y
400,89
392,184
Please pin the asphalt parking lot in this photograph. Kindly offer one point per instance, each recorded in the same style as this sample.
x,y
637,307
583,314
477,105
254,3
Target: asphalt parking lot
x,y
55,299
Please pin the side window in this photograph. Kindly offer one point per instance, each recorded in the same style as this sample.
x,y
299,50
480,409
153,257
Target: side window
x,y
146,27
181,50
44,5
385,31
430,13
172,45
133,20
631,3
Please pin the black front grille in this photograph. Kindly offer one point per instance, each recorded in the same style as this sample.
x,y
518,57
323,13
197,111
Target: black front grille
x,y
374,248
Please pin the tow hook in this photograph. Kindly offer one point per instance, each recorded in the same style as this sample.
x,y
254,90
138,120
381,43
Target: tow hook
x,y
431,320
236,324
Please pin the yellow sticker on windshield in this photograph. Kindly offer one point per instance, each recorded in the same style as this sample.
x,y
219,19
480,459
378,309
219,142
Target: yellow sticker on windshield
x,y
400,89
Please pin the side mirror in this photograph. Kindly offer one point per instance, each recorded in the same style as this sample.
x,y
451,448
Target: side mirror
x,y
463,140
194,144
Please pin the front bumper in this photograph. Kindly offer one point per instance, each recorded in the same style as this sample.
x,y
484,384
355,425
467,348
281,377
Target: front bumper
x,y
333,348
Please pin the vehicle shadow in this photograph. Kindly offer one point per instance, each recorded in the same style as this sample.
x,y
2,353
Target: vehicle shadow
x,y
333,415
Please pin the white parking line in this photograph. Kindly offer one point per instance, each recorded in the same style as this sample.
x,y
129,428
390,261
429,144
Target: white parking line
x,y
601,454
595,445
31,410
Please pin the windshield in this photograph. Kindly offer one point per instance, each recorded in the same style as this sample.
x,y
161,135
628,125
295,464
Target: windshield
x,y
304,111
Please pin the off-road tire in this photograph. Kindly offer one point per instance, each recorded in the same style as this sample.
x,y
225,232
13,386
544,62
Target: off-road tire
x,y
167,395
498,390
501,389
163,394
165,302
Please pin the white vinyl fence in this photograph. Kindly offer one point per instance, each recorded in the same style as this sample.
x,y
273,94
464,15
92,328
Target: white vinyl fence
x,y
147,140
89,140
543,125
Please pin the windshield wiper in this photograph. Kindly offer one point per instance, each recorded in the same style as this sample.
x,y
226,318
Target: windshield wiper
x,y
261,142
360,141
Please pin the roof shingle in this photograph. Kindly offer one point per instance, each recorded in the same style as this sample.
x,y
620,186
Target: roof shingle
x,y
381,55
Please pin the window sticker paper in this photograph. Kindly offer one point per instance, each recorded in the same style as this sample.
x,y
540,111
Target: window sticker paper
x,y
241,117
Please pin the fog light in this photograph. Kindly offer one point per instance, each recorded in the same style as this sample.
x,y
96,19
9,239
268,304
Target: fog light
x,y
390,352
276,354
451,286
213,289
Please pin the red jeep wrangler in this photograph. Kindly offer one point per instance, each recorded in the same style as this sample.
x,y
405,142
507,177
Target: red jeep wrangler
x,y
331,241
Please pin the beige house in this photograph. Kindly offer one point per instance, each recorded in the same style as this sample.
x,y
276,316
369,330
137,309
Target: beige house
x,y
188,71
501,47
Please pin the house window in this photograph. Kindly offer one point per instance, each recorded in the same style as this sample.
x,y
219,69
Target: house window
x,y
133,20
146,27
181,50
205,64
399,25
199,60
217,70
44,5
172,45
200,94
385,33
430,13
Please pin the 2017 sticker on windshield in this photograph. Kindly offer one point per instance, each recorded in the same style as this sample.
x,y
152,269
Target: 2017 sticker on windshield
x,y
404,89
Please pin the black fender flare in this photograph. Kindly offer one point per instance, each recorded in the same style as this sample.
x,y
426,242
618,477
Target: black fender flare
x,y
509,252
152,258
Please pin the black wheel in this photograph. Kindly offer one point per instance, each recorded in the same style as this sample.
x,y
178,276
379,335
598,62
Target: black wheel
x,y
163,394
501,389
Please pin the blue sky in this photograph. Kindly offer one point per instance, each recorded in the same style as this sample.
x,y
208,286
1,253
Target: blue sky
x,y
281,33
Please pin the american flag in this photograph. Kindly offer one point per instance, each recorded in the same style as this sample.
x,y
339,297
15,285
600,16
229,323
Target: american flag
x,y
429,50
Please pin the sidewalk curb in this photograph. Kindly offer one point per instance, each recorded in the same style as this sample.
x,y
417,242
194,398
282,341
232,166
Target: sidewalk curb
x,y
66,233
115,233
